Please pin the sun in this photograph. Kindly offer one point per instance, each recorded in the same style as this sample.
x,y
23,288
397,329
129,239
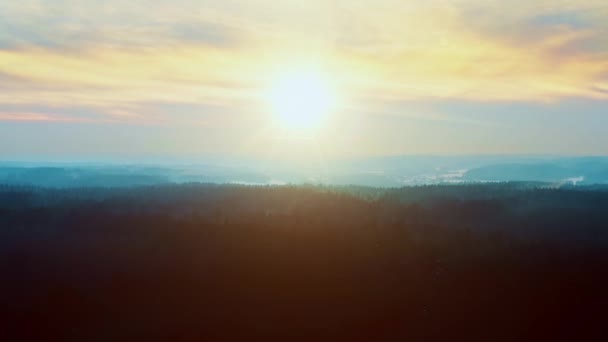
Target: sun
x,y
302,99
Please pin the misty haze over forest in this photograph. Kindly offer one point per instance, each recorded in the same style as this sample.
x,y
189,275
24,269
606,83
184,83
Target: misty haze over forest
x,y
378,172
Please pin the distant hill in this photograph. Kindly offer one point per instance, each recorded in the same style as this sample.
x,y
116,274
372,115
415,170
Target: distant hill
x,y
77,177
576,171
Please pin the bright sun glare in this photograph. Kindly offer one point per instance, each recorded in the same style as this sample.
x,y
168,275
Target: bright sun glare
x,y
302,99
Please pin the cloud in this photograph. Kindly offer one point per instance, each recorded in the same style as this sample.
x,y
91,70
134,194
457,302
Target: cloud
x,y
119,58
111,77
46,117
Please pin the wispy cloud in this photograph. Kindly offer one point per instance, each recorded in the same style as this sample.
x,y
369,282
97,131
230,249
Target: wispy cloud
x,y
46,117
120,59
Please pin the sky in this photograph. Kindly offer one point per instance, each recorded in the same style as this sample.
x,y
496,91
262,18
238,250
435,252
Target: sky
x,y
184,78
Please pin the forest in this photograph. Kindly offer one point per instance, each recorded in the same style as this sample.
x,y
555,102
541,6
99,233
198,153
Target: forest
x,y
208,262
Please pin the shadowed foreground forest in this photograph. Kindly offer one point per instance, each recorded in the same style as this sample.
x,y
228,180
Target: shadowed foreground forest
x,y
510,261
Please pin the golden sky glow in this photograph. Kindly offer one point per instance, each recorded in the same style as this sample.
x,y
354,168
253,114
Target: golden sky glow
x,y
120,60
